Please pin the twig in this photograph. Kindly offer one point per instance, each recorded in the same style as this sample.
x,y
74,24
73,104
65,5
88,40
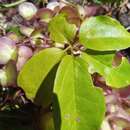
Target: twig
x,y
13,4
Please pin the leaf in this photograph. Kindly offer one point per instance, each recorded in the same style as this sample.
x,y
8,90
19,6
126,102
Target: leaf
x,y
94,64
116,77
119,76
44,94
11,73
106,57
71,14
76,96
14,29
37,68
46,121
60,30
44,14
104,34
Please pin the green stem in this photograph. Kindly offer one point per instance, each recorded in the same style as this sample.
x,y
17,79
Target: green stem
x,y
13,4
67,48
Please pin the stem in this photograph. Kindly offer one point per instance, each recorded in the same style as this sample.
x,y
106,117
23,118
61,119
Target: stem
x,y
13,4
67,48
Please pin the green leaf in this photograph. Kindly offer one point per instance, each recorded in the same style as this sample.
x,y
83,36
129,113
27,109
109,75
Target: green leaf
x,y
60,30
103,33
116,77
94,64
37,68
76,97
44,94
14,29
106,57
119,76
47,122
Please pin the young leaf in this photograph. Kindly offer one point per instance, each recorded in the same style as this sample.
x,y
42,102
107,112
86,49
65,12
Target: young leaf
x,y
37,68
116,77
103,33
60,30
76,97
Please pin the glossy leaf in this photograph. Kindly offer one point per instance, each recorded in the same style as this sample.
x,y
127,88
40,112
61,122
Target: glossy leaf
x,y
76,97
44,94
37,68
94,64
117,77
106,57
60,30
103,33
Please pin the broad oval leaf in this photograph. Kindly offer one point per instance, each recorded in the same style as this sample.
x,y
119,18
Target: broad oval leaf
x,y
76,97
60,30
116,77
103,33
37,68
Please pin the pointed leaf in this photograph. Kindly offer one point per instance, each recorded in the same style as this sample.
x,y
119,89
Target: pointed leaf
x,y
60,30
116,77
37,68
76,96
103,33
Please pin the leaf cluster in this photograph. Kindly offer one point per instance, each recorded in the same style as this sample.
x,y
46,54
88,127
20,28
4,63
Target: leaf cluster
x,y
62,76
